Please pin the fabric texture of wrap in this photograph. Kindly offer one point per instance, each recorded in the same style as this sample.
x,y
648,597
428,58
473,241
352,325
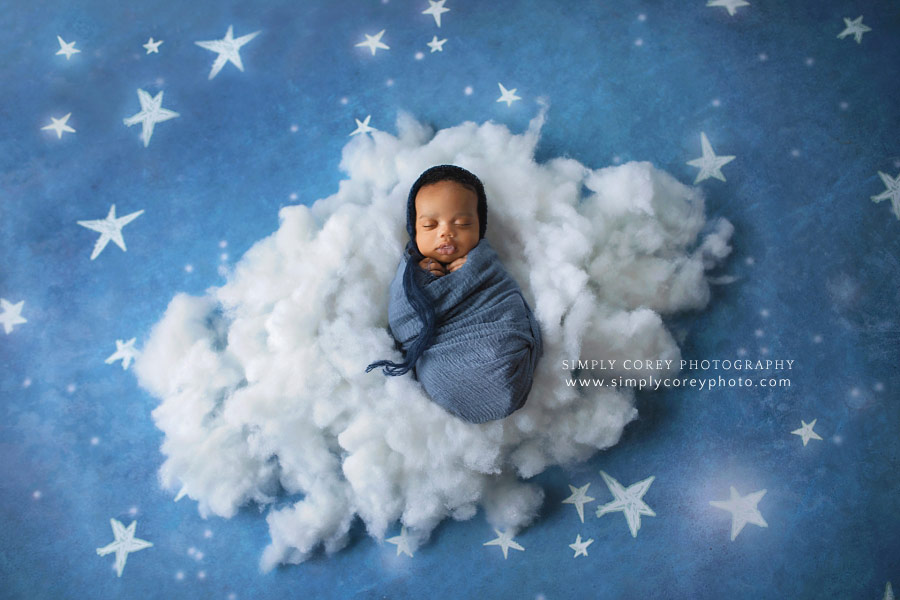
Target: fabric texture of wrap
x,y
481,364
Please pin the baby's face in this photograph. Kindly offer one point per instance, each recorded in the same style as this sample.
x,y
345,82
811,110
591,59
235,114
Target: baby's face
x,y
446,221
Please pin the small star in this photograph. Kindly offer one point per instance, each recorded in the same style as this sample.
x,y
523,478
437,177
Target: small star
x,y
806,431
893,192
152,47
59,125
579,498
124,352
373,42
508,96
743,510
437,45
125,543
228,50
11,315
363,126
402,542
505,541
580,547
151,113
436,9
628,501
709,163
67,48
110,228
730,5
854,28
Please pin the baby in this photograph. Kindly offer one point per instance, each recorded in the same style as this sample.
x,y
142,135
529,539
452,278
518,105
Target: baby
x,y
466,330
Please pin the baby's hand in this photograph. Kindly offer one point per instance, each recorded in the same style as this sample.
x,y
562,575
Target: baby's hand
x,y
456,264
433,266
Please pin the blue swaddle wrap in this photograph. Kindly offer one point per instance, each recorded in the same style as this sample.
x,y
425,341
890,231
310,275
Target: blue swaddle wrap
x,y
487,342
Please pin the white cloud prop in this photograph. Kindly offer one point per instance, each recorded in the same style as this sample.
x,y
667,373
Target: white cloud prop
x,y
263,384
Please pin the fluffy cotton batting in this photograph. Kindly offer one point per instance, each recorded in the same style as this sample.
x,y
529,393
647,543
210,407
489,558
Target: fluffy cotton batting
x,y
262,382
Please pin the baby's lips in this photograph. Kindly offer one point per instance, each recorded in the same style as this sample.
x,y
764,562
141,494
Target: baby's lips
x,y
446,249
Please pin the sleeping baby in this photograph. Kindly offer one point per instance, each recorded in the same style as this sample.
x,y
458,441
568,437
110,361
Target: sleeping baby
x,y
460,319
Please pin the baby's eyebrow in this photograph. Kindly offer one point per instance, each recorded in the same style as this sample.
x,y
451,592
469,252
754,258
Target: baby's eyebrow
x,y
459,214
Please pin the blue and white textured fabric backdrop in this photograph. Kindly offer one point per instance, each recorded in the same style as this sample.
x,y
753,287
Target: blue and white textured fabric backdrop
x,y
145,148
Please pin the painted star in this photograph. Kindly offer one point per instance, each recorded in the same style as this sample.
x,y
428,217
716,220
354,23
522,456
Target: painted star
x,y
152,47
743,510
228,50
806,431
363,126
628,501
67,48
402,542
709,163
110,228
580,547
508,96
11,315
151,113
854,28
893,192
579,498
436,9
124,352
730,5
437,45
125,543
374,42
59,125
505,541
888,592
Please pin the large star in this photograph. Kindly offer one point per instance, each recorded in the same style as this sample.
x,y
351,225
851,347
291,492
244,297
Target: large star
x,y
363,126
508,96
152,47
730,5
580,547
125,351
854,28
402,541
709,163
892,192
110,228
579,498
11,315
373,42
435,9
628,501
743,510
67,48
151,113
806,431
228,50
436,45
125,543
505,541
59,125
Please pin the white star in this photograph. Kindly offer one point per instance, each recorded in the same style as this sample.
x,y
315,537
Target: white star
x,y
402,542
743,510
888,592
110,228
228,50
11,315
124,352
67,48
373,42
806,431
709,163
59,125
579,498
854,28
125,543
730,5
437,45
151,113
628,501
505,541
508,96
152,47
435,9
363,126
580,547
892,192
